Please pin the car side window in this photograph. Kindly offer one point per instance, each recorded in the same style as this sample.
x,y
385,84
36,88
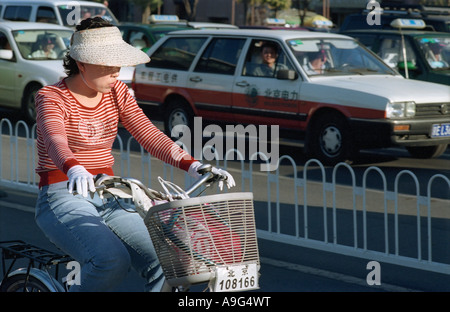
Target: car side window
x,y
176,53
265,59
46,15
391,51
4,42
17,13
221,56
367,40
139,40
5,45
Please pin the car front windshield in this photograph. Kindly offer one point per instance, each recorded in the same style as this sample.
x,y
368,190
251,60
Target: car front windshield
x,y
331,57
42,44
436,50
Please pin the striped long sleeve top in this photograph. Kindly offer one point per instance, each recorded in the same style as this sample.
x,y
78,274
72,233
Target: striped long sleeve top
x,y
70,134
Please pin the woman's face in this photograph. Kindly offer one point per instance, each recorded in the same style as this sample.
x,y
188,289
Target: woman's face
x,y
98,77
269,55
49,46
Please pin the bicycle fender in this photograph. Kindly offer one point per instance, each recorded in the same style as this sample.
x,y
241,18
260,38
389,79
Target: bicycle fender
x,y
52,284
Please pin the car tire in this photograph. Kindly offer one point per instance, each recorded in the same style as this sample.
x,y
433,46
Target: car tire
x,y
329,139
177,112
424,152
28,102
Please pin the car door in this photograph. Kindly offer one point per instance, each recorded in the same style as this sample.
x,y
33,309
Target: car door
x,y
266,99
211,80
7,76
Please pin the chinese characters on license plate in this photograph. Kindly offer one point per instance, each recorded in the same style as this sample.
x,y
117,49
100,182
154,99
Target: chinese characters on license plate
x,y
440,130
236,277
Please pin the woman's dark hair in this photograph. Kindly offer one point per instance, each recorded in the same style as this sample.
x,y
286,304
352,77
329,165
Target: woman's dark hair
x,y
270,44
70,65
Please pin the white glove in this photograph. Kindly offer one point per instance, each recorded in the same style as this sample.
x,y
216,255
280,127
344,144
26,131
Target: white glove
x,y
82,179
228,177
225,174
192,171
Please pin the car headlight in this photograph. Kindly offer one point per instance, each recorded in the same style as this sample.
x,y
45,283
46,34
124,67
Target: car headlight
x,y
400,109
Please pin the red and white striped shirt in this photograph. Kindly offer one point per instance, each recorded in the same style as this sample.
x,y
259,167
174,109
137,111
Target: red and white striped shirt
x,y
70,134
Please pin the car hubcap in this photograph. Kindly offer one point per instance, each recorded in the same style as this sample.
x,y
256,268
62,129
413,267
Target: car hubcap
x,y
178,118
331,141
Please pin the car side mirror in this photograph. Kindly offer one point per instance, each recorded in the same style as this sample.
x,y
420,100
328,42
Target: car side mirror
x,y
6,54
287,74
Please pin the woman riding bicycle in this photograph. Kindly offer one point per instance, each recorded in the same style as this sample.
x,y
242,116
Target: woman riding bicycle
x,y
77,121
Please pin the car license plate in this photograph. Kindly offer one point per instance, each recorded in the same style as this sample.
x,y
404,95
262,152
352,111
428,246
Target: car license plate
x,y
236,277
440,130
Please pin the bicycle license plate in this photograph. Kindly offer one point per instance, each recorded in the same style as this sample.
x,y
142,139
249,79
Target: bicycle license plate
x,y
440,130
236,277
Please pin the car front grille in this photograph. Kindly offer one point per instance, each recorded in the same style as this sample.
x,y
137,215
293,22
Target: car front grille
x,y
433,110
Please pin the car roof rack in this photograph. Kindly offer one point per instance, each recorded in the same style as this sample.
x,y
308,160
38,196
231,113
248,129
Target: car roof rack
x,y
413,10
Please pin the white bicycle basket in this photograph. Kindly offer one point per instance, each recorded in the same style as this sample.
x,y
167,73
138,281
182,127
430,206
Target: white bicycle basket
x,y
207,238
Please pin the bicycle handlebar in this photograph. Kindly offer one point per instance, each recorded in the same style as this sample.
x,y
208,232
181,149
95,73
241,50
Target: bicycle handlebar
x,y
207,178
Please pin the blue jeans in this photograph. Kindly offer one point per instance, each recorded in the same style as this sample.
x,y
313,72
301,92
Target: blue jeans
x,y
104,238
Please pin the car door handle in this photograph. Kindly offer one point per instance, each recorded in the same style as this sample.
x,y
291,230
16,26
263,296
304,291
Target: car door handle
x,y
242,84
195,79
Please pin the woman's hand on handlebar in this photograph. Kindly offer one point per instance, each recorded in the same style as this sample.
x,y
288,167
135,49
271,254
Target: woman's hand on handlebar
x,y
226,176
221,173
80,180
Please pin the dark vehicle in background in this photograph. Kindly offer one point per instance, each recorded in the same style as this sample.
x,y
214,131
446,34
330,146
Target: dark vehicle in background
x,y
437,19
143,36
420,47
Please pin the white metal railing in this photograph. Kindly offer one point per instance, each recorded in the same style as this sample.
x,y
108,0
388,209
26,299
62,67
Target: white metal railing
x,y
294,209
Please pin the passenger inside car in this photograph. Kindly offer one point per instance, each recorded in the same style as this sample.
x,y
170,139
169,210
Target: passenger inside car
x,y
316,64
268,64
46,44
435,58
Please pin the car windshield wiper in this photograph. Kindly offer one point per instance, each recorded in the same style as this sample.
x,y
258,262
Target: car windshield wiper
x,y
362,71
441,68
359,71
334,71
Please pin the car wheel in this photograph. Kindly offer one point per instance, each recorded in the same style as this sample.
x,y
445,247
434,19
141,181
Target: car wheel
x,y
329,139
427,151
28,102
177,113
